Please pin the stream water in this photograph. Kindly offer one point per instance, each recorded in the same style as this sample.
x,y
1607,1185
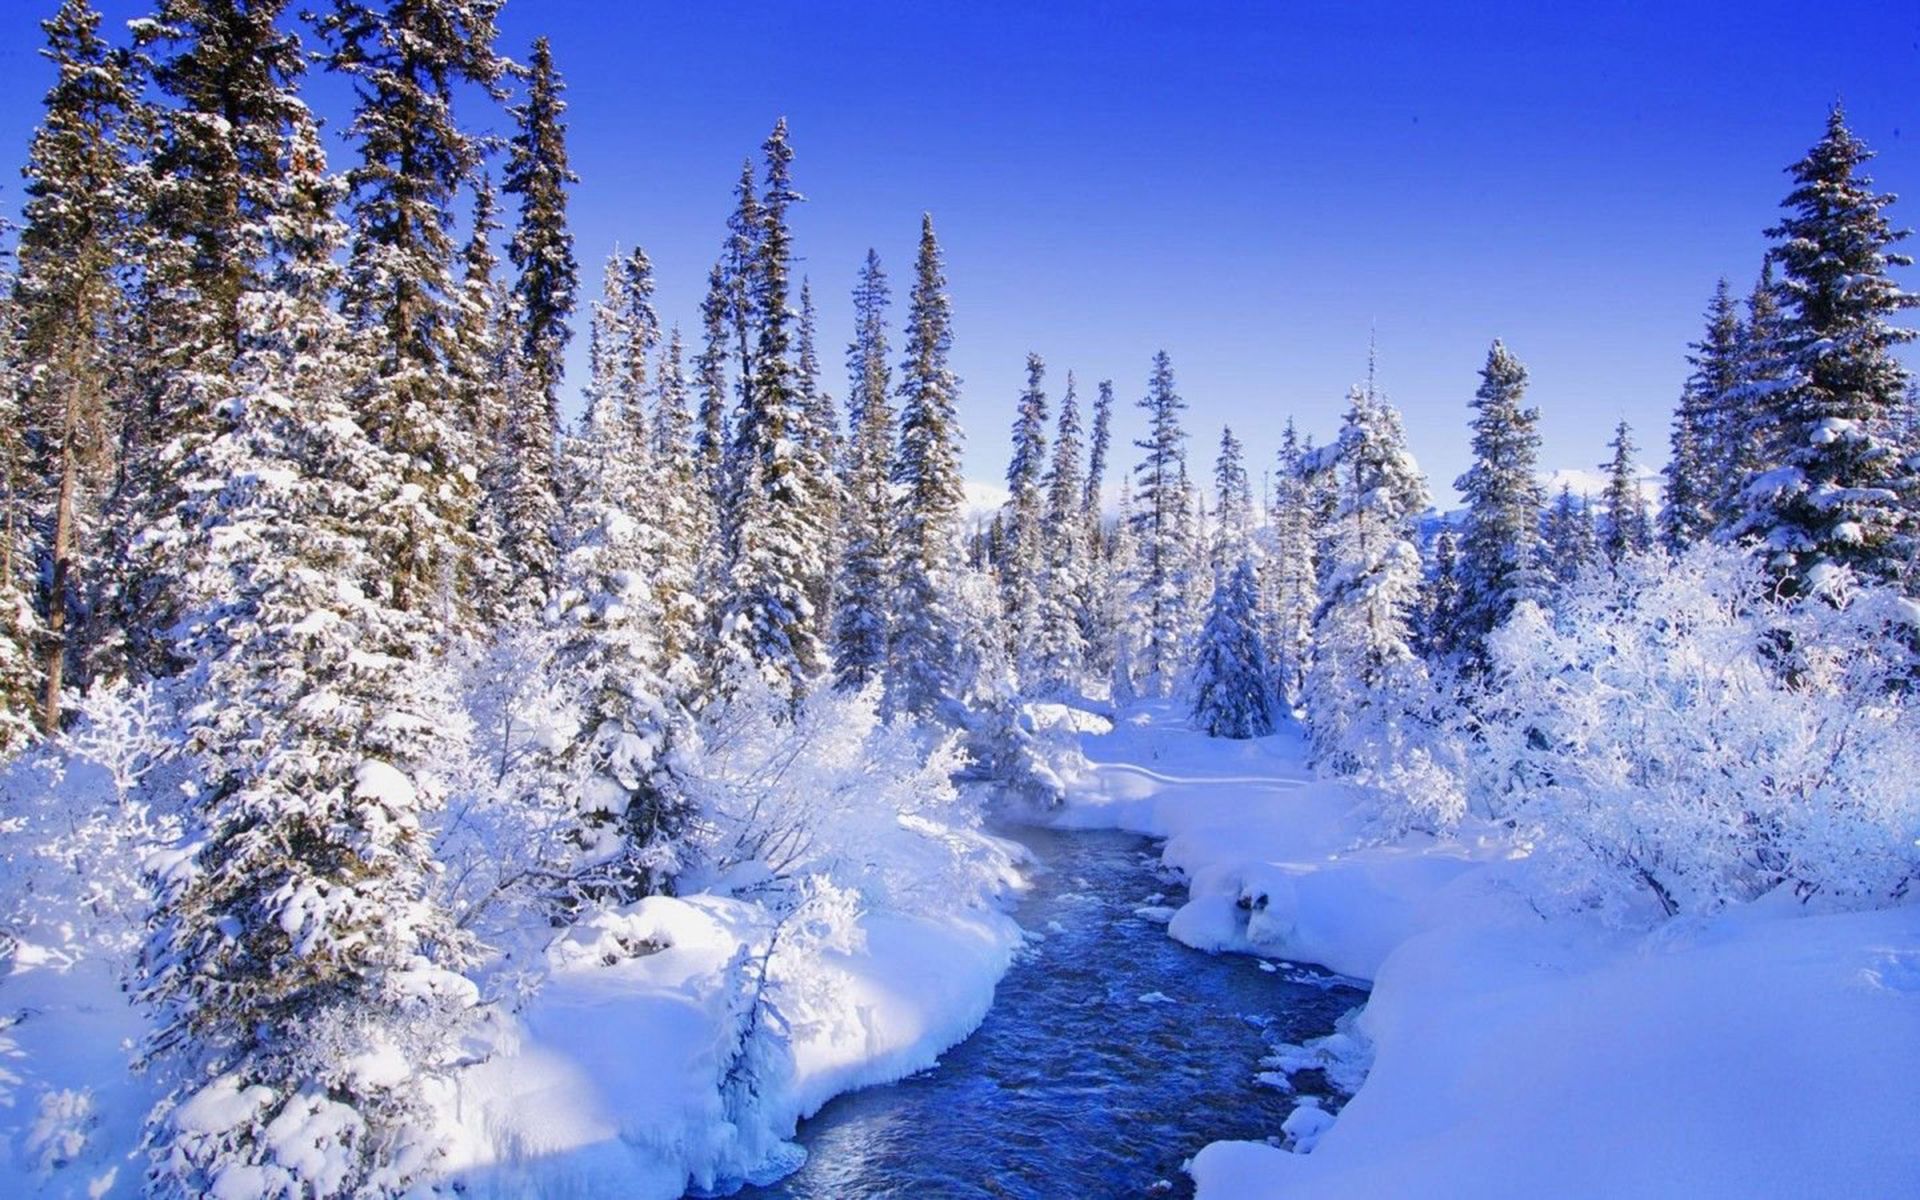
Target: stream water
x,y
1111,1055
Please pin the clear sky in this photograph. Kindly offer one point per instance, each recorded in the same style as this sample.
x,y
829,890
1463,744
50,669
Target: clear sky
x,y
1250,186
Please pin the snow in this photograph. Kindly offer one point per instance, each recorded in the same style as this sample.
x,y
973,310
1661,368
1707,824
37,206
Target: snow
x,y
1766,1050
609,1080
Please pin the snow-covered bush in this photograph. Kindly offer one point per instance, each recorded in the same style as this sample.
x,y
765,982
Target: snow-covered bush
x,y
1677,733
827,788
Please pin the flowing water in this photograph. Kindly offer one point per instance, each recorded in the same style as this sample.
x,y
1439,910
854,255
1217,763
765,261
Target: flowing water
x,y
1111,1055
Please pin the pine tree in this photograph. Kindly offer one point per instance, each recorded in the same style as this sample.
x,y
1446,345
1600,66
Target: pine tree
x,y
481,348
863,614
1626,531
1441,595
1707,434
1293,568
1060,647
820,462
1364,666
66,300
1233,529
1097,463
774,543
923,645
19,621
682,514
1752,406
1837,491
1572,539
306,939
408,61
1232,693
711,436
740,265
1500,545
1161,516
542,251
1021,562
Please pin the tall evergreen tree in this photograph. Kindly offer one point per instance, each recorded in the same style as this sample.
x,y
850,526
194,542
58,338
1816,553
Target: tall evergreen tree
x,y
408,61
1441,596
1233,498
1708,434
710,368
542,252
1572,540
1627,529
682,514
1059,651
774,542
1161,526
66,300
1292,566
863,613
19,619
1232,689
1364,666
821,463
1837,489
923,645
1500,545
1021,562
306,939
1097,460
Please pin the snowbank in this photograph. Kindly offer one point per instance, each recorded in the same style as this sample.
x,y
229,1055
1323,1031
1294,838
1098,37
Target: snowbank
x,y
1767,1051
611,1080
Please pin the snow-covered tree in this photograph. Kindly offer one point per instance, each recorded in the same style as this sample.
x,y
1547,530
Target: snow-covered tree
x,y
302,974
1626,528
1707,435
1572,538
1293,575
1500,543
1021,563
408,62
863,610
922,649
1057,656
1836,488
681,514
1232,689
821,454
1233,502
775,545
542,251
1161,525
66,299
1359,687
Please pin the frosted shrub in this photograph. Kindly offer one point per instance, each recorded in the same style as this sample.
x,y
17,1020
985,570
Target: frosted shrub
x,y
1678,733
827,788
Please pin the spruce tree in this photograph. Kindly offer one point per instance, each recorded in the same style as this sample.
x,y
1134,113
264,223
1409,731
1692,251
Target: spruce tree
x,y
1293,567
1232,689
1060,647
1162,513
1708,434
408,61
66,301
1837,489
1572,543
542,251
1357,689
1753,406
19,620
710,437
863,614
306,939
923,645
821,464
682,513
1627,530
1021,563
1438,623
1233,498
1500,544
1097,450
772,520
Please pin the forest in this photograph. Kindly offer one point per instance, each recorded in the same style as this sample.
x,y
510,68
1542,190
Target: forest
x,y
368,705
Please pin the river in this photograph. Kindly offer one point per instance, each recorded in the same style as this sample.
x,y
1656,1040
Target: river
x,y
1111,1055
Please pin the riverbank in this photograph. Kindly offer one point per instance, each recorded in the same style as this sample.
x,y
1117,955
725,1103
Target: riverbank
x,y
1766,1051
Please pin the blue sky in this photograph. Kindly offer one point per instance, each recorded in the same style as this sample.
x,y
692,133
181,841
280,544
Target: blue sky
x,y
1251,186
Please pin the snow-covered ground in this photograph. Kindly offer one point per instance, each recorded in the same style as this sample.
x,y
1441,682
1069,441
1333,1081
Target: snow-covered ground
x,y
1765,1051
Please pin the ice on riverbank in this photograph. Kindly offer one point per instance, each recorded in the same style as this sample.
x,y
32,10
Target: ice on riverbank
x,y
1767,1051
